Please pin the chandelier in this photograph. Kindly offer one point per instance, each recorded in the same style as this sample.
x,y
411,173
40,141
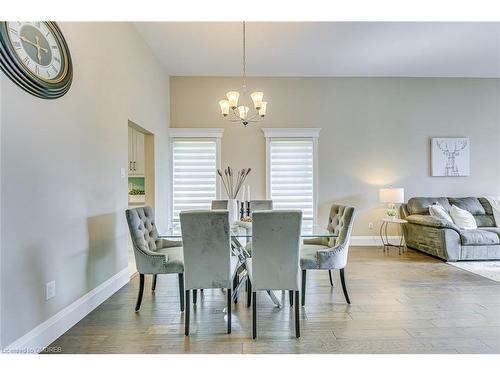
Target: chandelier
x,y
242,113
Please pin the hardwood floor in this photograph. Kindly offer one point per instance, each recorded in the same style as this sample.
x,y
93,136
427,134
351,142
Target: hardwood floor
x,y
400,304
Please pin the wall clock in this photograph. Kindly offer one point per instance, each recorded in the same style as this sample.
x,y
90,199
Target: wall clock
x,y
36,57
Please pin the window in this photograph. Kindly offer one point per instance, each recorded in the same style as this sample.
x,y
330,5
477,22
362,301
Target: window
x,y
194,163
291,170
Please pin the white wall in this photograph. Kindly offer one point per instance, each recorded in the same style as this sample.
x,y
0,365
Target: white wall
x,y
63,199
376,132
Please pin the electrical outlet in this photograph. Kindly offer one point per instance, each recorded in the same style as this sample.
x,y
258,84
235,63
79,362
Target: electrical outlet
x,y
370,225
123,173
50,290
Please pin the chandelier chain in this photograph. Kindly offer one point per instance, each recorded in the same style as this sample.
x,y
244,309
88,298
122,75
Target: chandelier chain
x,y
244,58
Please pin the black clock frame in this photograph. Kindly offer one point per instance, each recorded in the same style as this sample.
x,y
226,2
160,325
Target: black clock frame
x,y
13,68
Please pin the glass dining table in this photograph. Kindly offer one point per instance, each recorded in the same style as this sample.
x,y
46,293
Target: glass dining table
x,y
241,235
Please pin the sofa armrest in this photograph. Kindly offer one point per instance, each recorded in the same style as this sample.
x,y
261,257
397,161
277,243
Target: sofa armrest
x,y
431,221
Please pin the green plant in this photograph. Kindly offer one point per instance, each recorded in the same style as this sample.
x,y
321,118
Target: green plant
x,y
136,192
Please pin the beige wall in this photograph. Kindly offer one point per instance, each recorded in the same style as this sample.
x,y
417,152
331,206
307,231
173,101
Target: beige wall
x,y
63,199
376,132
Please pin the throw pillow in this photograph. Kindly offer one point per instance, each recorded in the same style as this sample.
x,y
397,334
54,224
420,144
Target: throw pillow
x,y
462,218
438,211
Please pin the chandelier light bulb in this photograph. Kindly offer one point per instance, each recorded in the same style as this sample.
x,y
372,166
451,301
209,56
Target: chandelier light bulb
x,y
224,107
257,99
232,97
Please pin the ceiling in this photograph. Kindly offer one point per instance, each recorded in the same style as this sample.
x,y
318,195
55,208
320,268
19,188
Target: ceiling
x,y
317,49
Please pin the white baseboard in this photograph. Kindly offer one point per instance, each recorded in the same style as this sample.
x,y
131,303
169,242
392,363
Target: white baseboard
x,y
372,240
47,332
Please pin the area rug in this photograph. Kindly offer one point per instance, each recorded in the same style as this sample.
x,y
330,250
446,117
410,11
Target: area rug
x,y
490,270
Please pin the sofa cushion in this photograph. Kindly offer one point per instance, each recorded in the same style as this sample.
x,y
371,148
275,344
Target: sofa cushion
x,y
485,221
486,205
492,229
420,205
463,218
478,237
470,204
438,211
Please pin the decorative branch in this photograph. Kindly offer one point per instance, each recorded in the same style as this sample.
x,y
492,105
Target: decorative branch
x,y
232,185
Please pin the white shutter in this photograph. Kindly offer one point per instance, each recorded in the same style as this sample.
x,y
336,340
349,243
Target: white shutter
x,y
291,176
194,172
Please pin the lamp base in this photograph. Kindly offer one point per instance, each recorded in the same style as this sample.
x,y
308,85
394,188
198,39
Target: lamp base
x,y
391,211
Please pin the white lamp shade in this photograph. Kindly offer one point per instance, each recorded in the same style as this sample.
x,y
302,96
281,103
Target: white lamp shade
x,y
224,107
392,195
257,99
243,110
232,97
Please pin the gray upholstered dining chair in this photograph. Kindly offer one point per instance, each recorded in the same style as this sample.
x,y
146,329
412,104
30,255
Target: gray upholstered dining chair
x,y
274,264
208,263
261,204
153,255
258,205
329,253
219,204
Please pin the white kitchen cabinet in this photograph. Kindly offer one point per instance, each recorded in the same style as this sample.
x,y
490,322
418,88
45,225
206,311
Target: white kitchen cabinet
x,y
136,160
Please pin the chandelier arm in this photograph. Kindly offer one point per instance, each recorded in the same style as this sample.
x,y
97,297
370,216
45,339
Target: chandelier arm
x,y
234,119
251,119
235,115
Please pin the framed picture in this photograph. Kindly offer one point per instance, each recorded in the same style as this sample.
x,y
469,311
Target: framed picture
x,y
450,157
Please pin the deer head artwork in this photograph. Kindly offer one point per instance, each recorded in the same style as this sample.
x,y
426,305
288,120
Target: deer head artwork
x,y
451,167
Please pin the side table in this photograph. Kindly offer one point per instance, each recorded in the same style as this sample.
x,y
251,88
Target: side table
x,y
384,237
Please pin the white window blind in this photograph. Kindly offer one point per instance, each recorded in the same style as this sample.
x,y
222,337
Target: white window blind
x,y
194,172
291,177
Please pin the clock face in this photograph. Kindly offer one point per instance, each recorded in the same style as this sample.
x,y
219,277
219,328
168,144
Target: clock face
x,y
36,57
37,48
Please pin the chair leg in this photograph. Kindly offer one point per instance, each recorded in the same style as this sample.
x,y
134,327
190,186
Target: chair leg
x,y
290,297
141,291
249,293
186,315
254,314
330,276
229,303
344,286
236,281
297,315
153,286
303,287
195,296
181,289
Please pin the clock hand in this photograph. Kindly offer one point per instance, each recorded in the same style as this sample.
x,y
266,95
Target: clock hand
x,y
28,41
37,46
38,49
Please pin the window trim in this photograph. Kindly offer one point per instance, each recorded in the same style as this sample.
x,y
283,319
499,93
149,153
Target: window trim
x,y
191,133
294,133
